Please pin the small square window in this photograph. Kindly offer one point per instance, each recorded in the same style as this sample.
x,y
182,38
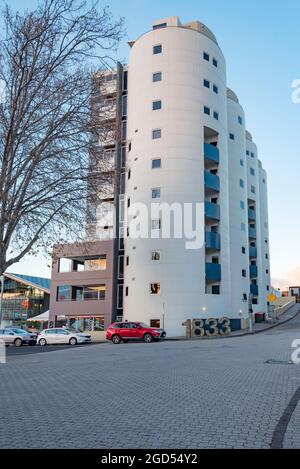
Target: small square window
x,y
244,273
155,224
252,172
129,174
127,260
241,162
245,297
252,155
241,183
264,181
156,105
243,250
215,290
155,193
216,115
155,255
242,205
206,56
215,62
206,83
126,291
157,76
268,288
253,189
156,134
156,163
240,120
215,89
247,152
157,49
155,288
206,110
231,136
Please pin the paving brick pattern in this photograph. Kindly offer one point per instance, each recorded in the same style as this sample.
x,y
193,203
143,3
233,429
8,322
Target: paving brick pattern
x,y
185,394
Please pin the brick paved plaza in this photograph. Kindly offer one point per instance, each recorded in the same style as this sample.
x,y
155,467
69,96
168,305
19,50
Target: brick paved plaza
x,y
199,394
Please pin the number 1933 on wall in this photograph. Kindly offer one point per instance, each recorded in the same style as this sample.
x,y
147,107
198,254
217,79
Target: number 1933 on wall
x,y
207,327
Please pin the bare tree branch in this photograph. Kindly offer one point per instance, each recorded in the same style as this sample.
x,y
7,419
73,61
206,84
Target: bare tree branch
x,y
50,146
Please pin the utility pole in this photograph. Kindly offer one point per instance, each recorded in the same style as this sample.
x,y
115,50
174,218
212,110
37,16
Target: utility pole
x,y
1,297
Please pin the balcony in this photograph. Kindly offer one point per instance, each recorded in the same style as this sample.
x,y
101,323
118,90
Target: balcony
x,y
252,233
251,214
212,182
252,252
212,211
211,153
212,241
213,272
253,271
254,290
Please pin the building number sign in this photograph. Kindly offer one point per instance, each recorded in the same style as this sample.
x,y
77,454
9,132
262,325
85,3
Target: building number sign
x,y
207,327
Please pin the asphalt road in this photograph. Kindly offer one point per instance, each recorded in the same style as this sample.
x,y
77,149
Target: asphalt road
x,y
228,393
27,349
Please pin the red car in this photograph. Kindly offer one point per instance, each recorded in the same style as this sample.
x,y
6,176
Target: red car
x,y
124,331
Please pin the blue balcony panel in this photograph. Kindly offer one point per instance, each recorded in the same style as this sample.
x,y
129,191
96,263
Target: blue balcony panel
x,y
251,214
212,241
253,271
254,290
212,182
252,252
252,233
212,211
211,153
213,272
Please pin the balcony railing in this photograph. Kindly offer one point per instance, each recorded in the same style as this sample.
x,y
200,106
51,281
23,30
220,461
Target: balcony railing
x,y
212,211
213,272
251,214
254,290
212,182
252,233
252,252
211,153
212,240
253,271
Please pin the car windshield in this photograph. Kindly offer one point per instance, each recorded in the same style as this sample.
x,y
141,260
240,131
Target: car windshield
x,y
18,331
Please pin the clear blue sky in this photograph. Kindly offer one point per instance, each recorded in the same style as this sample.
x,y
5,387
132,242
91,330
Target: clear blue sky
x,y
260,40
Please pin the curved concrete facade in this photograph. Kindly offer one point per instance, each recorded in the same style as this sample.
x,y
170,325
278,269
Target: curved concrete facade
x,y
194,111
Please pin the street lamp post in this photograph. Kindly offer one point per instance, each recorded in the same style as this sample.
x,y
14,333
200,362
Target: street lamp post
x,y
1,297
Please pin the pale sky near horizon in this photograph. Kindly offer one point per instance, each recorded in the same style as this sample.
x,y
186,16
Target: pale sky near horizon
x,y
259,39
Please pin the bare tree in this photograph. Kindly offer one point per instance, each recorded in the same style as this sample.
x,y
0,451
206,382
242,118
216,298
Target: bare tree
x,y
47,57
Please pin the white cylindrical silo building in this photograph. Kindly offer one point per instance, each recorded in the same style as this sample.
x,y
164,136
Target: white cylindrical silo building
x,y
177,134
238,207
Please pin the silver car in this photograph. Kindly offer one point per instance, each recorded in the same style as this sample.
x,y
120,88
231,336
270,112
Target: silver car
x,y
17,337
61,335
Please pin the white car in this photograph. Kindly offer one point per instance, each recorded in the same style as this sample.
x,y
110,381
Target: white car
x,y
62,336
17,337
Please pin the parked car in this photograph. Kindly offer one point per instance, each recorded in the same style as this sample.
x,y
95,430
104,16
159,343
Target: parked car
x,y
124,331
17,337
60,335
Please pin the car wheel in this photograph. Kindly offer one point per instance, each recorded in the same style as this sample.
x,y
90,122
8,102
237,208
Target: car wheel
x,y
42,342
73,341
148,338
116,339
18,342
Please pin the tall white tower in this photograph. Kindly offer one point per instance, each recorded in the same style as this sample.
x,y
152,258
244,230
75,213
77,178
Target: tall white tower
x,y
177,131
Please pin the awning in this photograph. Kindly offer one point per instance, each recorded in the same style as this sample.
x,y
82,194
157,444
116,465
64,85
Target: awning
x,y
44,317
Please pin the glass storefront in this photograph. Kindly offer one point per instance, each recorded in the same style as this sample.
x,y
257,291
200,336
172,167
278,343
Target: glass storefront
x,y
82,323
21,301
